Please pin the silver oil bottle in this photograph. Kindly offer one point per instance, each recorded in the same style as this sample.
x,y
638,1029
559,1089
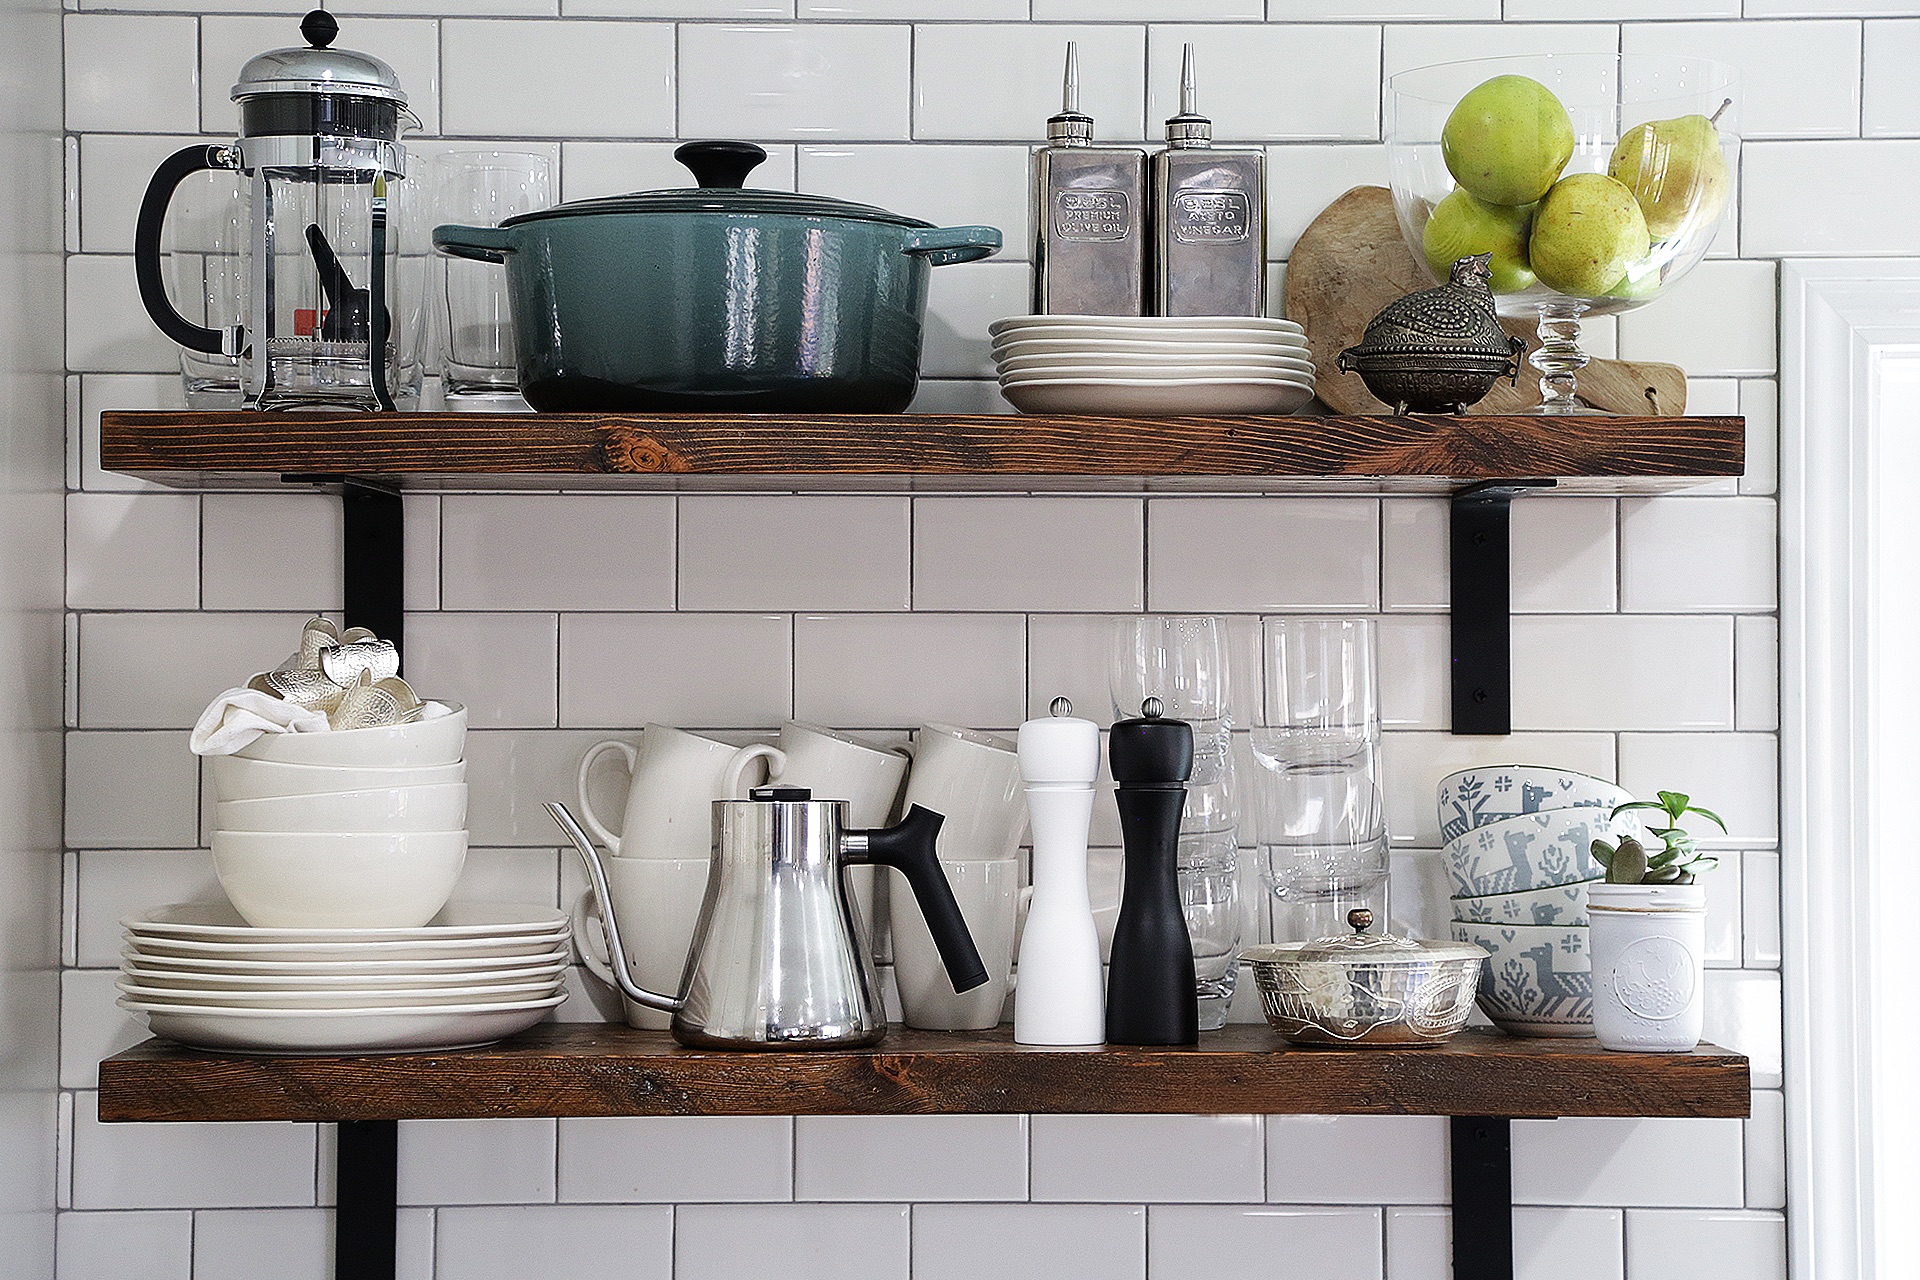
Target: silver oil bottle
x,y
1089,217
1210,224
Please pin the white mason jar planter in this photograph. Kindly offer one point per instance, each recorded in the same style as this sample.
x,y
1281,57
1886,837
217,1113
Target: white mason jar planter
x,y
1648,943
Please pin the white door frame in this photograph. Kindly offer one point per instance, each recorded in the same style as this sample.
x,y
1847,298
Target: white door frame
x,y
1837,318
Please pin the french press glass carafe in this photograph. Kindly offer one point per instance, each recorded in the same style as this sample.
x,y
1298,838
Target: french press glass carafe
x,y
323,170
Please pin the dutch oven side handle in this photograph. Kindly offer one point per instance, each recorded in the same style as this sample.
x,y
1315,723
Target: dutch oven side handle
x,y
943,246
482,244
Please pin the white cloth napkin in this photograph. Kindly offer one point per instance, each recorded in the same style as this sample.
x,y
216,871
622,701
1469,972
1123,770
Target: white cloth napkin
x,y
239,716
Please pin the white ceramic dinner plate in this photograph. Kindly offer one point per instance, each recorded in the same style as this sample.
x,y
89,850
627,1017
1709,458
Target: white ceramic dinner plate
x,y
363,1000
1172,396
1132,373
333,1031
1152,324
545,953
155,973
218,922
1163,365
492,949
1274,345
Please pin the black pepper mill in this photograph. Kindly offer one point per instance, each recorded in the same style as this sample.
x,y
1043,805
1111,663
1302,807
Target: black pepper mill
x,y
1150,988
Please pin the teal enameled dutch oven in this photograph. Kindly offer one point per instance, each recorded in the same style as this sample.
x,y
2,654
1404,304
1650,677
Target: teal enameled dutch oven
x,y
718,298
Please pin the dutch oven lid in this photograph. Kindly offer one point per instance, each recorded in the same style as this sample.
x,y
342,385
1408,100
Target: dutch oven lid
x,y
721,169
319,69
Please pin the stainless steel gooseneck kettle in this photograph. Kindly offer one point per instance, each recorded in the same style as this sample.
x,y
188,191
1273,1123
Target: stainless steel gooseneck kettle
x,y
777,960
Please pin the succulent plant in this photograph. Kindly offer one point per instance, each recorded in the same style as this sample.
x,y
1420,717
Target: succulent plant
x,y
1677,858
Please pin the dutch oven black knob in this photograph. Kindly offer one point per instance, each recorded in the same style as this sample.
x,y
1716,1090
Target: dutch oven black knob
x,y
720,164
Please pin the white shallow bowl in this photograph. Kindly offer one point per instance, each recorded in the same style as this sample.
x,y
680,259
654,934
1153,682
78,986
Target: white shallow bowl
x,y
1560,904
1134,373
219,922
1144,324
238,778
331,1031
422,743
148,972
1164,365
1537,981
363,880
370,998
1476,797
437,808
1153,399
1532,851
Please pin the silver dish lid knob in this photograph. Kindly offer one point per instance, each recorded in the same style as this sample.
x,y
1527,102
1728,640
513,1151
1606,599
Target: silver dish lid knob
x,y
318,68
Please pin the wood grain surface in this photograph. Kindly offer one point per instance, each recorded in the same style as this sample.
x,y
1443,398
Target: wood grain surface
x,y
597,1069
1352,260
187,448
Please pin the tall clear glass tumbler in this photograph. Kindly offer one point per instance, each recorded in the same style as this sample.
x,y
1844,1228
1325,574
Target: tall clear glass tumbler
x,y
472,323
1183,662
206,241
1324,843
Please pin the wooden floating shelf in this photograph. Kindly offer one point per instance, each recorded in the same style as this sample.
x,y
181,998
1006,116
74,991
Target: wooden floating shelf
x,y
596,1069
565,451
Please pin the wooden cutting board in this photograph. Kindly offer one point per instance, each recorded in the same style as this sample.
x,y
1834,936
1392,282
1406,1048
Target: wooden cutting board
x,y
1352,261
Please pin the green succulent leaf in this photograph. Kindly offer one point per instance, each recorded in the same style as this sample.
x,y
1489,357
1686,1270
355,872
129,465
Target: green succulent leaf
x,y
1711,816
1674,802
1603,853
1629,864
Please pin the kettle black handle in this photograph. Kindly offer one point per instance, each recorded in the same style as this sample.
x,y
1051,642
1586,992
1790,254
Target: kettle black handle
x,y
720,164
174,170
908,847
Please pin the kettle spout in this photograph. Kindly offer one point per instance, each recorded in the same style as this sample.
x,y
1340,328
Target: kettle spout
x,y
597,874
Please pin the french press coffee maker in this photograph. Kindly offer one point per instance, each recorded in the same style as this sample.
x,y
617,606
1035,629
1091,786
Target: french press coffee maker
x,y
319,150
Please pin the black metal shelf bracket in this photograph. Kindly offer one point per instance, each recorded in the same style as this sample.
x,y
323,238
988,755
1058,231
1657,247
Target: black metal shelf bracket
x,y
375,560
1480,562
366,1200
1482,1156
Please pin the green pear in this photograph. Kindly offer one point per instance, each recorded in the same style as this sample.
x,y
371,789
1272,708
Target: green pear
x,y
1586,233
1676,171
1642,281
1463,225
1507,140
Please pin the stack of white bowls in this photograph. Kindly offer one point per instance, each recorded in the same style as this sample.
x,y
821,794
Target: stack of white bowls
x,y
203,976
1519,853
355,829
1150,365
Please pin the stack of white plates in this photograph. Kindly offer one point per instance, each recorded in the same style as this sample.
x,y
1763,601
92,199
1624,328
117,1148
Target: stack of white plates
x,y
1151,365
476,973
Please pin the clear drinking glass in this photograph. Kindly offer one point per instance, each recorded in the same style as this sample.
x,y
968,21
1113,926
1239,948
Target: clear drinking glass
x,y
207,228
1324,846
1183,661
472,325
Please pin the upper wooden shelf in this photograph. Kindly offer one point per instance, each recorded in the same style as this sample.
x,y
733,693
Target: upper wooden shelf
x,y
917,451
597,1069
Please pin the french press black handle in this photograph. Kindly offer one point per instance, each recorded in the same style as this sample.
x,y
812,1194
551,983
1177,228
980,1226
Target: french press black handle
x,y
908,847
720,164
174,170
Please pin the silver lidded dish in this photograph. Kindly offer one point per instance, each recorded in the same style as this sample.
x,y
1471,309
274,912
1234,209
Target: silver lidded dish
x,y
1438,350
1366,989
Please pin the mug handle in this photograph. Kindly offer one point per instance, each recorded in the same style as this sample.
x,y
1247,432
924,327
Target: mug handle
x,y
586,910
594,752
1022,901
737,768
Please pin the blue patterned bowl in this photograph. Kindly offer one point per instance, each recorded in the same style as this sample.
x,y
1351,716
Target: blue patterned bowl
x,y
1538,979
1560,904
1476,797
1533,851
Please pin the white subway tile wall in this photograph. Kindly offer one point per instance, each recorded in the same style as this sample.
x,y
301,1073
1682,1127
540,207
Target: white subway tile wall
x,y
1646,646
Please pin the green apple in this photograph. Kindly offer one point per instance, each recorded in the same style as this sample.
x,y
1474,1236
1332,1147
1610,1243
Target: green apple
x,y
1676,171
1585,234
1507,140
1463,225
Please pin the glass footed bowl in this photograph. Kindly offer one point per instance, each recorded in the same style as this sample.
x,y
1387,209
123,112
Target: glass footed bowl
x,y
1681,194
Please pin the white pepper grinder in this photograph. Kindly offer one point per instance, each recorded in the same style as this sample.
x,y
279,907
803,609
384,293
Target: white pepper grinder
x,y
1059,999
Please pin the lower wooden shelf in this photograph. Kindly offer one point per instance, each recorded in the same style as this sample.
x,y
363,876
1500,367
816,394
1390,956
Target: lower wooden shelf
x,y
594,1069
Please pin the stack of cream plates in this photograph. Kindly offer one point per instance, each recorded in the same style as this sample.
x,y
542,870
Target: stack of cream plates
x,y
474,974
1151,365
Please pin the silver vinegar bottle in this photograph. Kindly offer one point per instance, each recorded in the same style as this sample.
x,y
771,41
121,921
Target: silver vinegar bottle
x,y
1089,217
1210,223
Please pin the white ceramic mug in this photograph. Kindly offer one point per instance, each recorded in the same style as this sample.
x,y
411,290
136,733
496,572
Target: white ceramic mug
x,y
657,902
971,779
990,897
838,767
675,778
